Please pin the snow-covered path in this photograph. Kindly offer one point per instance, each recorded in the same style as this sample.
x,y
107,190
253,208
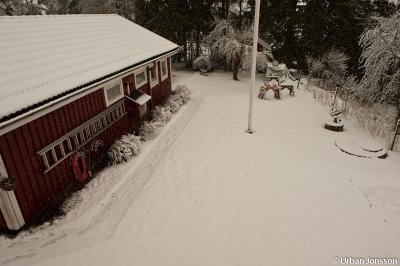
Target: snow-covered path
x,y
207,193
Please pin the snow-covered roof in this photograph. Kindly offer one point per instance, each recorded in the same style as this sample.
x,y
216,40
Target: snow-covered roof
x,y
43,57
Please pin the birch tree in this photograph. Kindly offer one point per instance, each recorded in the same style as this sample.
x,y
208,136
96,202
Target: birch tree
x,y
381,63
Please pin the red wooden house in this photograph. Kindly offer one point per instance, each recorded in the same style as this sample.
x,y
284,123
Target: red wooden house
x,y
67,82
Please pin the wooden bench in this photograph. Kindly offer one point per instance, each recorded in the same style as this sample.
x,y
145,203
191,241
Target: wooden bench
x,y
289,87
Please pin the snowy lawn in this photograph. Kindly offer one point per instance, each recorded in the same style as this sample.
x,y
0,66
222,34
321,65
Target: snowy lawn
x,y
204,192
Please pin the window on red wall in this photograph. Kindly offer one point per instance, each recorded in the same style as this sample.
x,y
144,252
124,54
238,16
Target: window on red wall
x,y
153,75
140,78
113,93
164,69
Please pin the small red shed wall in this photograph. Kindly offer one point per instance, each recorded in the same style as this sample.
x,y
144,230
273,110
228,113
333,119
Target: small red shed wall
x,y
18,147
159,92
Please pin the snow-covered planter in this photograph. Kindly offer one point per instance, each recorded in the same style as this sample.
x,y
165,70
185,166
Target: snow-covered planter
x,y
124,149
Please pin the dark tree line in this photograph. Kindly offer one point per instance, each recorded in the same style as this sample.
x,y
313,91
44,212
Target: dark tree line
x,y
313,27
294,28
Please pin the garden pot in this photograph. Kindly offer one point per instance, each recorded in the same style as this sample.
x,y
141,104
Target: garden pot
x,y
8,183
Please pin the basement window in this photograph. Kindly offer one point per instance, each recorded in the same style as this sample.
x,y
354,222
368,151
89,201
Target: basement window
x,y
113,93
140,78
142,109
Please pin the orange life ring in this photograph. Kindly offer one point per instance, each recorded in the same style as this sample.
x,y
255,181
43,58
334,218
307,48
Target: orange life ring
x,y
78,162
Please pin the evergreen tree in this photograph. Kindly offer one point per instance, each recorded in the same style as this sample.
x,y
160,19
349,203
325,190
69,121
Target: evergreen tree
x,y
19,7
61,7
279,18
124,8
338,23
181,22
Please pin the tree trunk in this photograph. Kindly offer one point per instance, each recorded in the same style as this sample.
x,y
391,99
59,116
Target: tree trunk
x,y
235,72
308,82
236,66
397,119
398,102
240,13
197,43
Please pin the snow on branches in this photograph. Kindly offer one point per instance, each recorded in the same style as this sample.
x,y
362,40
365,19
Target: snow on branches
x,y
125,148
381,61
331,66
232,44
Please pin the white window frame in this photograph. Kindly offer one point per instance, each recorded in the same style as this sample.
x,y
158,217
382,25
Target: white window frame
x,y
156,81
164,77
138,72
128,88
111,85
143,109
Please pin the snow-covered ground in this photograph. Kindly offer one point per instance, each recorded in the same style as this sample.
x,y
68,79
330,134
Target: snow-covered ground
x,y
205,192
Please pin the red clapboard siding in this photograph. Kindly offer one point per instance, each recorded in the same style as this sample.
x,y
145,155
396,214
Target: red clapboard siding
x,y
28,176
8,158
156,94
45,182
41,139
3,224
19,147
45,131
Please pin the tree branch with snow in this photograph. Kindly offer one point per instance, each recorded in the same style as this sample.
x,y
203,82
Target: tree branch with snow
x,y
232,44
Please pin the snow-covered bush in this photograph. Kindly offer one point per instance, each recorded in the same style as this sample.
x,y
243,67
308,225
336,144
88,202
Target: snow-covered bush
x,y
376,119
380,60
178,97
331,67
130,145
182,92
123,149
148,129
161,114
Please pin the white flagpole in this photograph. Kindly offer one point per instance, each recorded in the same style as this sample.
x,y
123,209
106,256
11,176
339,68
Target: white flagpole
x,y
253,66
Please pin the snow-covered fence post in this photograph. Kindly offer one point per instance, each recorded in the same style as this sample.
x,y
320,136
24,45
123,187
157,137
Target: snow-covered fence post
x,y
396,132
